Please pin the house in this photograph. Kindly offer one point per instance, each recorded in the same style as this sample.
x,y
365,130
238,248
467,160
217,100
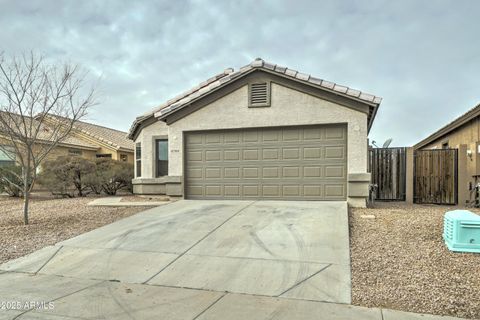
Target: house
x,y
262,132
87,140
463,131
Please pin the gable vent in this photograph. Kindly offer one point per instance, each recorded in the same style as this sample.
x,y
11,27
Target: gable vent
x,y
259,94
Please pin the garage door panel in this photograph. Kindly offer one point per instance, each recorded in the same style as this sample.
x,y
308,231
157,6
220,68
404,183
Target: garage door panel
x,y
335,152
230,173
271,135
312,191
271,172
232,191
250,154
291,134
335,132
271,154
213,155
291,153
291,172
231,155
334,190
271,191
312,153
213,173
338,172
274,163
251,190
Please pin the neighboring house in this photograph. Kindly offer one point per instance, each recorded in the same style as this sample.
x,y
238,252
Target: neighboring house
x,y
464,130
86,140
262,132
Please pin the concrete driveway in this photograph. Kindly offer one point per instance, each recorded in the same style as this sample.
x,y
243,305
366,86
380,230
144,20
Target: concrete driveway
x,y
194,260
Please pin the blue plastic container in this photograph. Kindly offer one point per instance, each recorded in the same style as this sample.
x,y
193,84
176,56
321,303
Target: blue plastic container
x,y
461,231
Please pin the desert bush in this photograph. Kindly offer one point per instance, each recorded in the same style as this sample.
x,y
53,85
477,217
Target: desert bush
x,y
67,176
113,176
11,181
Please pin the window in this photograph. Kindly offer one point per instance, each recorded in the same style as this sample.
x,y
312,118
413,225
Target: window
x,y
138,159
161,157
445,145
7,156
123,157
74,152
259,94
104,155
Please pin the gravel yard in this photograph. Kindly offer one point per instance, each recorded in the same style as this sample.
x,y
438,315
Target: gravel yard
x,y
51,221
399,261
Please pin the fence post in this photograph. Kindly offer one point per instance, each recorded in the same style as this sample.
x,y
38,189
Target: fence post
x,y
409,176
462,186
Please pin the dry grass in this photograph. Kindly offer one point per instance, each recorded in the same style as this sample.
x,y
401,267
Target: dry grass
x,y
51,221
399,261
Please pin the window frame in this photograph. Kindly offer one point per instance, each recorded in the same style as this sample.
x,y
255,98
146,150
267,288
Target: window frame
x,y
138,159
158,167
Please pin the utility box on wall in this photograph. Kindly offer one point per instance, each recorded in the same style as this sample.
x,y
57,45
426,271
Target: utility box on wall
x,y
461,231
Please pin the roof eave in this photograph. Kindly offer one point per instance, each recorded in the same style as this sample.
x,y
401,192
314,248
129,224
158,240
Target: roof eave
x,y
458,122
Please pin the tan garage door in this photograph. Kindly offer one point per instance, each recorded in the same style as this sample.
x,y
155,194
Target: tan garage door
x,y
301,163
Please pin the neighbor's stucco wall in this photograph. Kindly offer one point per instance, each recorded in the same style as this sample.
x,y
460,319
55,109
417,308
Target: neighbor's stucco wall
x,y
467,134
288,107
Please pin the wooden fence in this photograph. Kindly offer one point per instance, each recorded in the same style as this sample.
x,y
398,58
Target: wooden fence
x,y
388,169
435,176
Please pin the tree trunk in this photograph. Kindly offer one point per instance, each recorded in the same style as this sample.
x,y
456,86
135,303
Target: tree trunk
x,y
26,191
26,199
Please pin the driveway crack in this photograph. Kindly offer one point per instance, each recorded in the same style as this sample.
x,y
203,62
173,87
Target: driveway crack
x,y
307,278
196,243
211,305
50,259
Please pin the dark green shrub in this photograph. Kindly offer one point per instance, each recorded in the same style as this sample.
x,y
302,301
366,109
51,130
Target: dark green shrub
x,y
66,176
11,181
113,176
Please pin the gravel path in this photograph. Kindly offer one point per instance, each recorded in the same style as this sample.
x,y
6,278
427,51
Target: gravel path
x,y
399,261
51,221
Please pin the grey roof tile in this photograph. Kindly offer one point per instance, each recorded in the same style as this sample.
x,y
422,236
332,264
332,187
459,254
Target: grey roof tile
x,y
269,66
315,81
302,76
353,92
229,75
328,84
280,69
291,73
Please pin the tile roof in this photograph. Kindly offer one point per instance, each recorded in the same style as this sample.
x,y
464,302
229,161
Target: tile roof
x,y
115,138
464,118
229,75
45,132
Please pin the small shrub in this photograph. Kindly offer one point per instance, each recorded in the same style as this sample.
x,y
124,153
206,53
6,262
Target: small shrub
x,y
11,181
113,175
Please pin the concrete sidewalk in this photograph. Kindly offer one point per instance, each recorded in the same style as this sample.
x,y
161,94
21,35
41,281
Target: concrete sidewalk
x,y
74,298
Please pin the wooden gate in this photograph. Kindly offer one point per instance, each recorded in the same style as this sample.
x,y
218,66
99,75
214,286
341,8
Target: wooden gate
x,y
388,169
435,176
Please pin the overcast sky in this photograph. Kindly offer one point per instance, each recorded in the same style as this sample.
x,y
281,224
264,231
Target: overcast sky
x,y
422,57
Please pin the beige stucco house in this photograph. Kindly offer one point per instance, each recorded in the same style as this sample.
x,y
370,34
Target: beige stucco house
x,y
262,132
86,140
463,131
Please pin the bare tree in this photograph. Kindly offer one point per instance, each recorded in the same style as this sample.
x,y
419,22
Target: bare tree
x,y
39,105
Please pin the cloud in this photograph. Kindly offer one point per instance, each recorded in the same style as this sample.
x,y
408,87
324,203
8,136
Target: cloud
x,y
420,56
